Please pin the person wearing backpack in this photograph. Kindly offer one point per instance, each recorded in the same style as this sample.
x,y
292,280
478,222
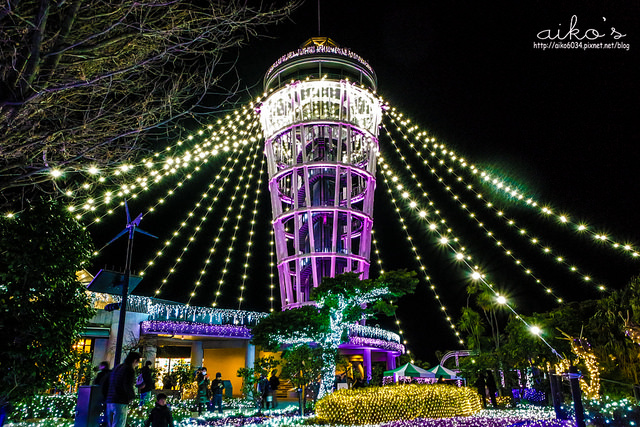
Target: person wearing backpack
x,y
121,391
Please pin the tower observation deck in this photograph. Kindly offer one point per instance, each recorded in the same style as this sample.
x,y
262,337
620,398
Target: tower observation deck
x,y
320,123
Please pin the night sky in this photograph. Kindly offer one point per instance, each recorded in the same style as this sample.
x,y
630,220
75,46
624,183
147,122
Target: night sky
x,y
562,123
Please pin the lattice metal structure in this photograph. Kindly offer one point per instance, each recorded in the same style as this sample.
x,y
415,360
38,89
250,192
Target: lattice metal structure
x,y
320,122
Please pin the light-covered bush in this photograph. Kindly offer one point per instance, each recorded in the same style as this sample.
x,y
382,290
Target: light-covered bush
x,y
376,405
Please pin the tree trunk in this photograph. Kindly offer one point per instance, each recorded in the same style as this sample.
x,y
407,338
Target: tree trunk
x,y
32,65
328,374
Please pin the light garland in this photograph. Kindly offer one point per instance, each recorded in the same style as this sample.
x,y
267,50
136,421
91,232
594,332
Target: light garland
x,y
581,348
544,209
191,328
373,332
446,241
376,252
209,315
522,232
632,330
200,154
212,249
54,407
433,210
423,268
272,268
256,205
311,50
241,207
530,395
401,335
95,175
184,223
378,343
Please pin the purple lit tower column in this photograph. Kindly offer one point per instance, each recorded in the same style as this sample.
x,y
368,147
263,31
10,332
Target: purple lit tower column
x,y
320,123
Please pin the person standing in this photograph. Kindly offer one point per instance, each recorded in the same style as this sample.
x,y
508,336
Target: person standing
x,y
202,379
147,383
103,374
217,386
102,380
160,415
263,391
121,391
274,383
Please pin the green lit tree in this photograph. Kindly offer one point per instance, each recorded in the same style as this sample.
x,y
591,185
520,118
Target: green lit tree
x,y
43,307
250,376
609,333
340,302
471,323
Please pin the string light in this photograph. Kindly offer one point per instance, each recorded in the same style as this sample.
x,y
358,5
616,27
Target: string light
x,y
581,348
196,229
418,259
402,338
190,328
500,214
474,273
272,269
256,205
217,143
231,208
228,166
516,196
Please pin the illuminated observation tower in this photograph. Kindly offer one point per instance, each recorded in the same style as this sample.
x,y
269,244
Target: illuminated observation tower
x,y
320,123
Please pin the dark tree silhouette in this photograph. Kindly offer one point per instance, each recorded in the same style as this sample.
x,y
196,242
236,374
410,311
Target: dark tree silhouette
x,y
91,82
43,307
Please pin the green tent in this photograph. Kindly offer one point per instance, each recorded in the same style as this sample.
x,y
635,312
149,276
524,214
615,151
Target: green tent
x,y
409,370
441,371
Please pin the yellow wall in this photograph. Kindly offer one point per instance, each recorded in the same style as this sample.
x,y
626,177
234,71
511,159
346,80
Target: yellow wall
x,y
227,361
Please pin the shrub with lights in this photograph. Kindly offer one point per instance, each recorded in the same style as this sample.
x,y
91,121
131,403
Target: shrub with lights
x,y
376,405
42,406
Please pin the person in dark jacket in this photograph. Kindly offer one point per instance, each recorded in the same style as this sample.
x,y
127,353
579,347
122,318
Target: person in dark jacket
x,y
102,380
160,415
103,376
147,383
121,391
202,379
217,386
274,383
263,389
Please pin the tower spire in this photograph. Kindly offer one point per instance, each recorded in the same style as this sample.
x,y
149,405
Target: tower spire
x,y
319,33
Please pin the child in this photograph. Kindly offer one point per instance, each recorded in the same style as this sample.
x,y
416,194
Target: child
x,y
160,416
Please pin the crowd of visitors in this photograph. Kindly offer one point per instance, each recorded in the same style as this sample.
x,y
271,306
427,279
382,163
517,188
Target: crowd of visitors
x,y
117,390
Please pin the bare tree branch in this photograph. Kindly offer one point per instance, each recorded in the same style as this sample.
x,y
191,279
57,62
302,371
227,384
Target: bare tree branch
x,y
95,82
